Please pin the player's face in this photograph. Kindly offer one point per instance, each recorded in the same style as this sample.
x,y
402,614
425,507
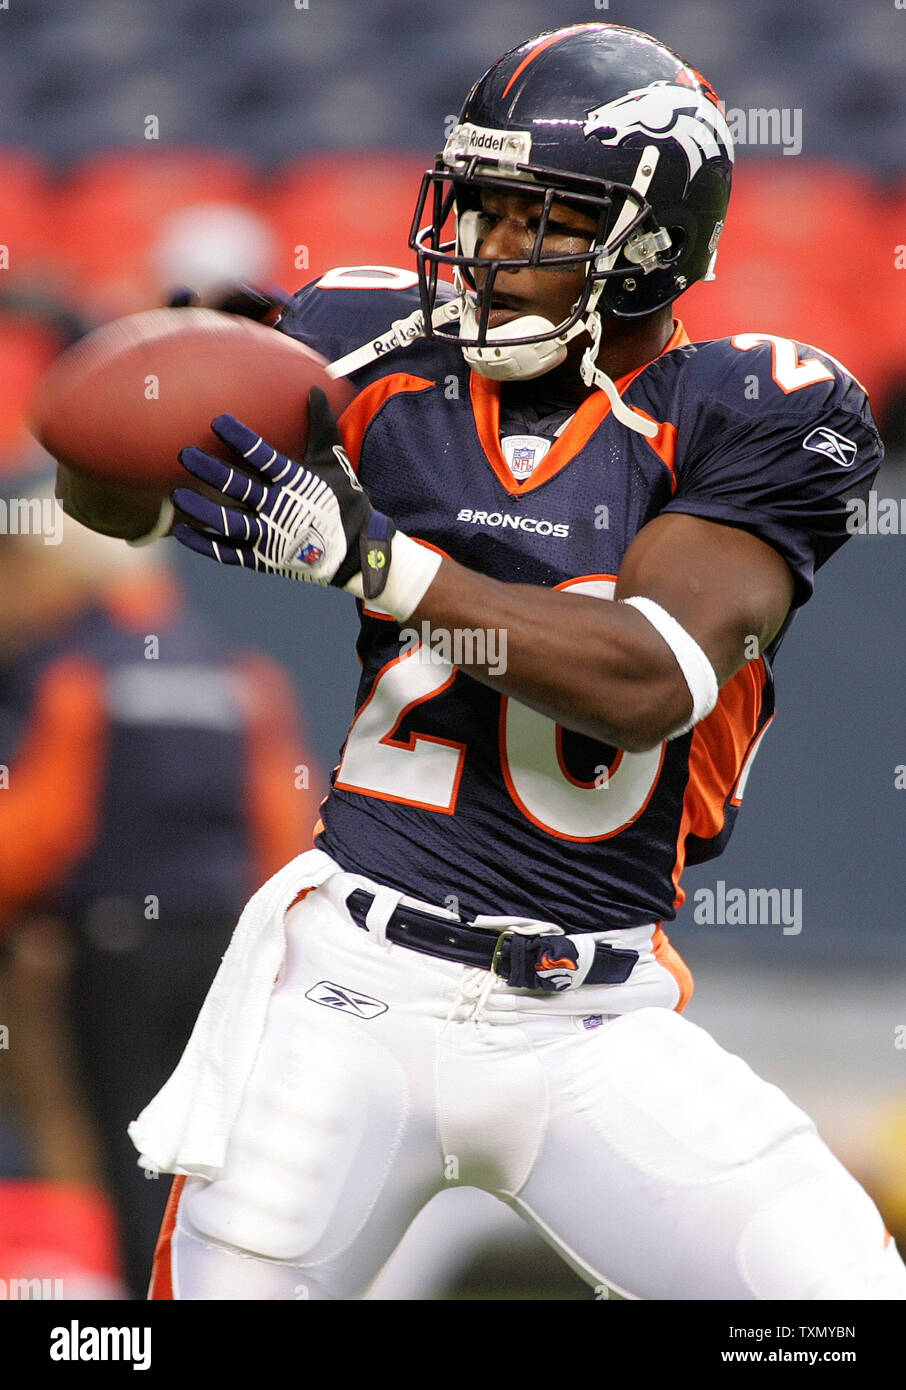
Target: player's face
x,y
512,221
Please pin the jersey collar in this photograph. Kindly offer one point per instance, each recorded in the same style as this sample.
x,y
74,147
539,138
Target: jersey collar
x,y
485,396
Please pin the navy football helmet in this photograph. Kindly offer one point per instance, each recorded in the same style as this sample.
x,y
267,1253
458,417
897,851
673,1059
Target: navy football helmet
x,y
618,125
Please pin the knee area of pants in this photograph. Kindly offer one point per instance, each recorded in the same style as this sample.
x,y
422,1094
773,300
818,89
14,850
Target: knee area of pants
x,y
820,1238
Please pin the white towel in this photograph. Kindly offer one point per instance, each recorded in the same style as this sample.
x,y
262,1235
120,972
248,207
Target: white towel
x,y
186,1127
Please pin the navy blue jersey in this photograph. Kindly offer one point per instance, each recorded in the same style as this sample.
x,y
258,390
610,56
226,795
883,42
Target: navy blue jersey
x,y
446,789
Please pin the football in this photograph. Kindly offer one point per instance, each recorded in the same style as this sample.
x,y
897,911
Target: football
x,y
119,404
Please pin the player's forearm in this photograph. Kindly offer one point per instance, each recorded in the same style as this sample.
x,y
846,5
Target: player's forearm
x,y
595,667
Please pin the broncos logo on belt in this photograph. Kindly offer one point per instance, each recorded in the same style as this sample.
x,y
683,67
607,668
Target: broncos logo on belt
x,y
555,970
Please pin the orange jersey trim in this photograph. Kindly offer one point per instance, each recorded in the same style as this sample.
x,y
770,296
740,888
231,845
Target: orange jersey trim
x,y
669,957
485,397
360,412
664,442
301,895
678,338
720,746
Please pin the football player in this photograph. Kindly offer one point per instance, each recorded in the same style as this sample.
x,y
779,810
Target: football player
x,y
577,540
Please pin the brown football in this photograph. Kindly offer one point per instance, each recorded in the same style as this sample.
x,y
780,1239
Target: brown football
x,y
119,404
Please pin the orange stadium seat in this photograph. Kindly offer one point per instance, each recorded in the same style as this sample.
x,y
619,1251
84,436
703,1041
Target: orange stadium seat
x,y
817,214
332,210
800,258
110,212
58,1235
891,288
23,212
26,350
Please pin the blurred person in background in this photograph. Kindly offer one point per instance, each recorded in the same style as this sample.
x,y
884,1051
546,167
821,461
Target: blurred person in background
x,y
153,780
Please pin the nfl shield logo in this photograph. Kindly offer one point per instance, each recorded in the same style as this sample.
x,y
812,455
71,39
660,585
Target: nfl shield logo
x,y
311,548
523,461
523,453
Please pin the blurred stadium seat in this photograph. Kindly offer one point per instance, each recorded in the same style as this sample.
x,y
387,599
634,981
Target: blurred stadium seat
x,y
24,225
815,215
890,271
26,350
809,251
62,1233
352,209
801,257
110,212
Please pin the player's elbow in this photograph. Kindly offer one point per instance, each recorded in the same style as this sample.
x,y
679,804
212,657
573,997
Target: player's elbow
x,y
639,677
642,741
654,709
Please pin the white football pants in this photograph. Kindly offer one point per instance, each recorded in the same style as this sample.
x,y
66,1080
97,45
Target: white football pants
x,y
652,1160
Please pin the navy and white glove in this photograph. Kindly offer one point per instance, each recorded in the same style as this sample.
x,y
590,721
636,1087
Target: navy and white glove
x,y
310,521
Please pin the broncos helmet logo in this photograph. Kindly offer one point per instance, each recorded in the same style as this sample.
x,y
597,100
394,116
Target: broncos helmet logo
x,y
662,110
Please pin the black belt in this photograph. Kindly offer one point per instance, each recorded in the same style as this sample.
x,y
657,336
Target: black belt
x,y
543,961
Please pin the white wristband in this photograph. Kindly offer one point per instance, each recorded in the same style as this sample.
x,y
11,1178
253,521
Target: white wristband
x,y
161,526
698,673
412,568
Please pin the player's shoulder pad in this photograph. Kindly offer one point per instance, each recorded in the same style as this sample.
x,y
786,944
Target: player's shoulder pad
x,y
758,374
350,305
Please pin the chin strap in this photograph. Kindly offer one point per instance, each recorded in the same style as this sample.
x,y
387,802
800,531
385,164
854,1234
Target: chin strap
x,y
593,376
502,360
591,372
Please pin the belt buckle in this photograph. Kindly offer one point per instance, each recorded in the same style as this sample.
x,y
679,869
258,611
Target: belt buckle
x,y
542,929
498,949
